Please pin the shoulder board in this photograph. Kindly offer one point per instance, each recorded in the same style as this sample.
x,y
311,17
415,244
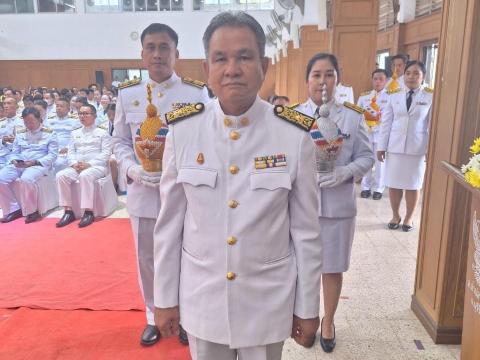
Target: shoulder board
x,y
390,92
21,131
295,117
129,83
184,112
346,85
47,130
293,106
353,107
51,116
428,90
3,119
102,127
193,82
78,128
73,116
365,93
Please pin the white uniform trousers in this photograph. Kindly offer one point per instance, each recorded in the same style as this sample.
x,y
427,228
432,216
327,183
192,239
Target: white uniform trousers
x,y
61,163
28,184
87,179
374,179
206,350
143,233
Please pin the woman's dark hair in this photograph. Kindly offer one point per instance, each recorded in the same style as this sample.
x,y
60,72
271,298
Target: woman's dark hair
x,y
31,111
420,64
322,56
109,107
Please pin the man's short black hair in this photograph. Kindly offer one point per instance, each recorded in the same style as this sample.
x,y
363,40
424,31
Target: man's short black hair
x,y
31,110
402,57
156,28
41,102
93,108
380,71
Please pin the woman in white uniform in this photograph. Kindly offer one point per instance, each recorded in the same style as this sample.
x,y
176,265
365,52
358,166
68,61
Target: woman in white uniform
x,y
403,143
337,198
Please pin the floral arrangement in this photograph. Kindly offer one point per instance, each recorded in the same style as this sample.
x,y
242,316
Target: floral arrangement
x,y
471,170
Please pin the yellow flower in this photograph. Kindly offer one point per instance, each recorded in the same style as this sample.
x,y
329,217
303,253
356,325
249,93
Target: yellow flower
x,y
475,148
473,178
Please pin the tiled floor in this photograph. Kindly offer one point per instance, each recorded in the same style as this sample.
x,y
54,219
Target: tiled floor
x,y
374,320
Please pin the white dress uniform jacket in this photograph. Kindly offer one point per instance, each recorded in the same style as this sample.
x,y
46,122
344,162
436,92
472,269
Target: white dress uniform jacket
x,y
130,114
7,128
382,101
92,145
400,80
405,131
356,153
237,247
344,93
63,127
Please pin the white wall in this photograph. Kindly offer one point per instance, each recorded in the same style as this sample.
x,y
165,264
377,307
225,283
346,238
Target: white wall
x,y
99,36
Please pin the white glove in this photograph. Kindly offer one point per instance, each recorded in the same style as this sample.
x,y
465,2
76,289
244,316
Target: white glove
x,y
138,175
340,175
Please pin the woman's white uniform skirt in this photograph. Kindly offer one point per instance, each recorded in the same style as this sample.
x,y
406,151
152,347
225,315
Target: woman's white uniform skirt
x,y
336,235
404,172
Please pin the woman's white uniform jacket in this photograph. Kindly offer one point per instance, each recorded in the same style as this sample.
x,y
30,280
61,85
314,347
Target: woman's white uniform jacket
x,y
405,131
356,153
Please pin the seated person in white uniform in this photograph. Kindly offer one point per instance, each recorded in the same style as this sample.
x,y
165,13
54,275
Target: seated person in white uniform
x,y
88,154
8,124
62,124
33,153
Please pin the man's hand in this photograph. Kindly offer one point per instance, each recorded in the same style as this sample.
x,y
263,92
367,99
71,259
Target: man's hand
x,y
381,156
340,175
304,330
83,165
8,139
63,151
168,321
137,174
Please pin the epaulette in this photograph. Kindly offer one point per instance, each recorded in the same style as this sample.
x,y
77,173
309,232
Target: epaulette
x,y
20,131
196,83
47,130
129,83
3,119
346,85
428,89
293,106
102,127
51,116
295,117
81,126
354,107
394,91
73,116
365,93
184,112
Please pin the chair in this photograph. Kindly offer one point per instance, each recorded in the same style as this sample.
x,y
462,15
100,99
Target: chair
x,y
47,193
105,197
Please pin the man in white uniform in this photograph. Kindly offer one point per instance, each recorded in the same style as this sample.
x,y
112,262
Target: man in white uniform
x,y
237,247
344,93
397,64
159,53
8,126
374,179
89,151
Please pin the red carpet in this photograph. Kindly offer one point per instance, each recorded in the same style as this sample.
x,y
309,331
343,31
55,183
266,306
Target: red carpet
x,y
68,268
80,335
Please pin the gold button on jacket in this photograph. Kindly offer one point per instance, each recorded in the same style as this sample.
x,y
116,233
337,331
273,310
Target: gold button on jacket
x,y
234,169
233,203
231,275
234,135
231,240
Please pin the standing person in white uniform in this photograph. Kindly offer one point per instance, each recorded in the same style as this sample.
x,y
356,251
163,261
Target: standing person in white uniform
x,y
337,200
344,93
237,248
89,151
159,54
403,143
378,98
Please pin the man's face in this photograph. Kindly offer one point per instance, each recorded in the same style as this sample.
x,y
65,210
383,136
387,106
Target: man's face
x,y
398,66
62,108
90,95
86,115
82,93
97,95
31,122
10,107
48,98
379,80
159,54
111,115
73,102
8,92
78,105
234,66
104,101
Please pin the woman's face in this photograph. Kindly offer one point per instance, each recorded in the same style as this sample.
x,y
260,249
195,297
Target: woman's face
x,y
322,73
413,77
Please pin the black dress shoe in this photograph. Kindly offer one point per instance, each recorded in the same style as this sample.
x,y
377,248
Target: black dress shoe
x,y
365,194
67,218
12,216
407,228
182,336
394,226
32,217
86,219
150,335
376,195
327,344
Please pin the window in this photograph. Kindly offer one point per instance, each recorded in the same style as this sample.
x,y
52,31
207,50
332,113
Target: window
x,y
108,5
426,7
121,75
429,58
16,6
386,16
131,5
382,59
67,6
223,5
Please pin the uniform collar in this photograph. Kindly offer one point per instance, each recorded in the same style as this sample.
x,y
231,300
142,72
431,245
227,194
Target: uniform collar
x,y
90,128
164,84
243,120
332,105
415,91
